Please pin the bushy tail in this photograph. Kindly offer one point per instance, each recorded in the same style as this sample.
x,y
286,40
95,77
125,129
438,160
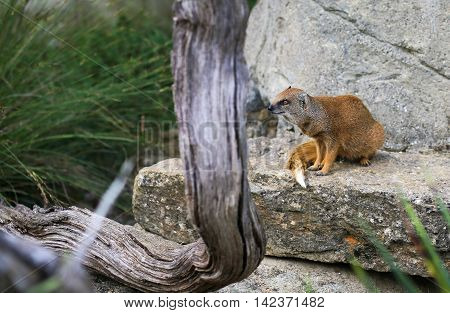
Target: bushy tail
x,y
299,160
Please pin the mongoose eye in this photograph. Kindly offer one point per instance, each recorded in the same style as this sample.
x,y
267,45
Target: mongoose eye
x,y
285,102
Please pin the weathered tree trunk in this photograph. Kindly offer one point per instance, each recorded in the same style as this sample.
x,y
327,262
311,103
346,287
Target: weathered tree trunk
x,y
210,81
210,87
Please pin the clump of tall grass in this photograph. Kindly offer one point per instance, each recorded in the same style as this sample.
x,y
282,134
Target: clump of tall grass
x,y
73,89
422,242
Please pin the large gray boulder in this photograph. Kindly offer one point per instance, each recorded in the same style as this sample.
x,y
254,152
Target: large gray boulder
x,y
392,54
322,222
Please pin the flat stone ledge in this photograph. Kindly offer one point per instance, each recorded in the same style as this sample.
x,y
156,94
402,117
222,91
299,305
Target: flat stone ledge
x,y
319,223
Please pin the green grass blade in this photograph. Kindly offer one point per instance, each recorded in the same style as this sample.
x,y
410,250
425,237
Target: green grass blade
x,y
444,210
363,276
433,262
401,277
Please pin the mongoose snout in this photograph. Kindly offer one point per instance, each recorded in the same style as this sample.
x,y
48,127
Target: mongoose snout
x,y
275,109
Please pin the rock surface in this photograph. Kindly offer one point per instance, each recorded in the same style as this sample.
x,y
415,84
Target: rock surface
x,y
393,55
291,276
261,123
320,223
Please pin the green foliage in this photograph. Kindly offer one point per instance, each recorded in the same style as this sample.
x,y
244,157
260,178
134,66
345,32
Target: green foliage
x,y
52,284
252,3
309,288
363,276
444,210
73,90
401,277
435,266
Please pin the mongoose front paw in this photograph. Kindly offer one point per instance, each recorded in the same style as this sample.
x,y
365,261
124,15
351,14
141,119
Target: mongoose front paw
x,y
322,173
315,168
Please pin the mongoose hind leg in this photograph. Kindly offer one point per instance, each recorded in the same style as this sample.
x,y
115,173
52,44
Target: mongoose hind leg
x,y
364,161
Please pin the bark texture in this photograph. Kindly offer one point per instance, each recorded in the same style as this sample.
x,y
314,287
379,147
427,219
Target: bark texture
x,y
209,90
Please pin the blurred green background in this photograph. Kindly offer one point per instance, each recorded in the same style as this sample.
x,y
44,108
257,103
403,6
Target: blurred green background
x,y
82,84
77,78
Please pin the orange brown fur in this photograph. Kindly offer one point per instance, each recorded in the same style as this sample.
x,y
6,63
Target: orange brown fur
x,y
340,126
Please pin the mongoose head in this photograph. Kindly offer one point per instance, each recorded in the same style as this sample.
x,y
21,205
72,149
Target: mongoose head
x,y
295,105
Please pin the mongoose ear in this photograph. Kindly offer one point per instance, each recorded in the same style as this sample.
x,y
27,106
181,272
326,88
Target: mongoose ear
x,y
304,99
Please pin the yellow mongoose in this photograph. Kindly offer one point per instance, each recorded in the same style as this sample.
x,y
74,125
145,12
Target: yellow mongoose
x,y
340,126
